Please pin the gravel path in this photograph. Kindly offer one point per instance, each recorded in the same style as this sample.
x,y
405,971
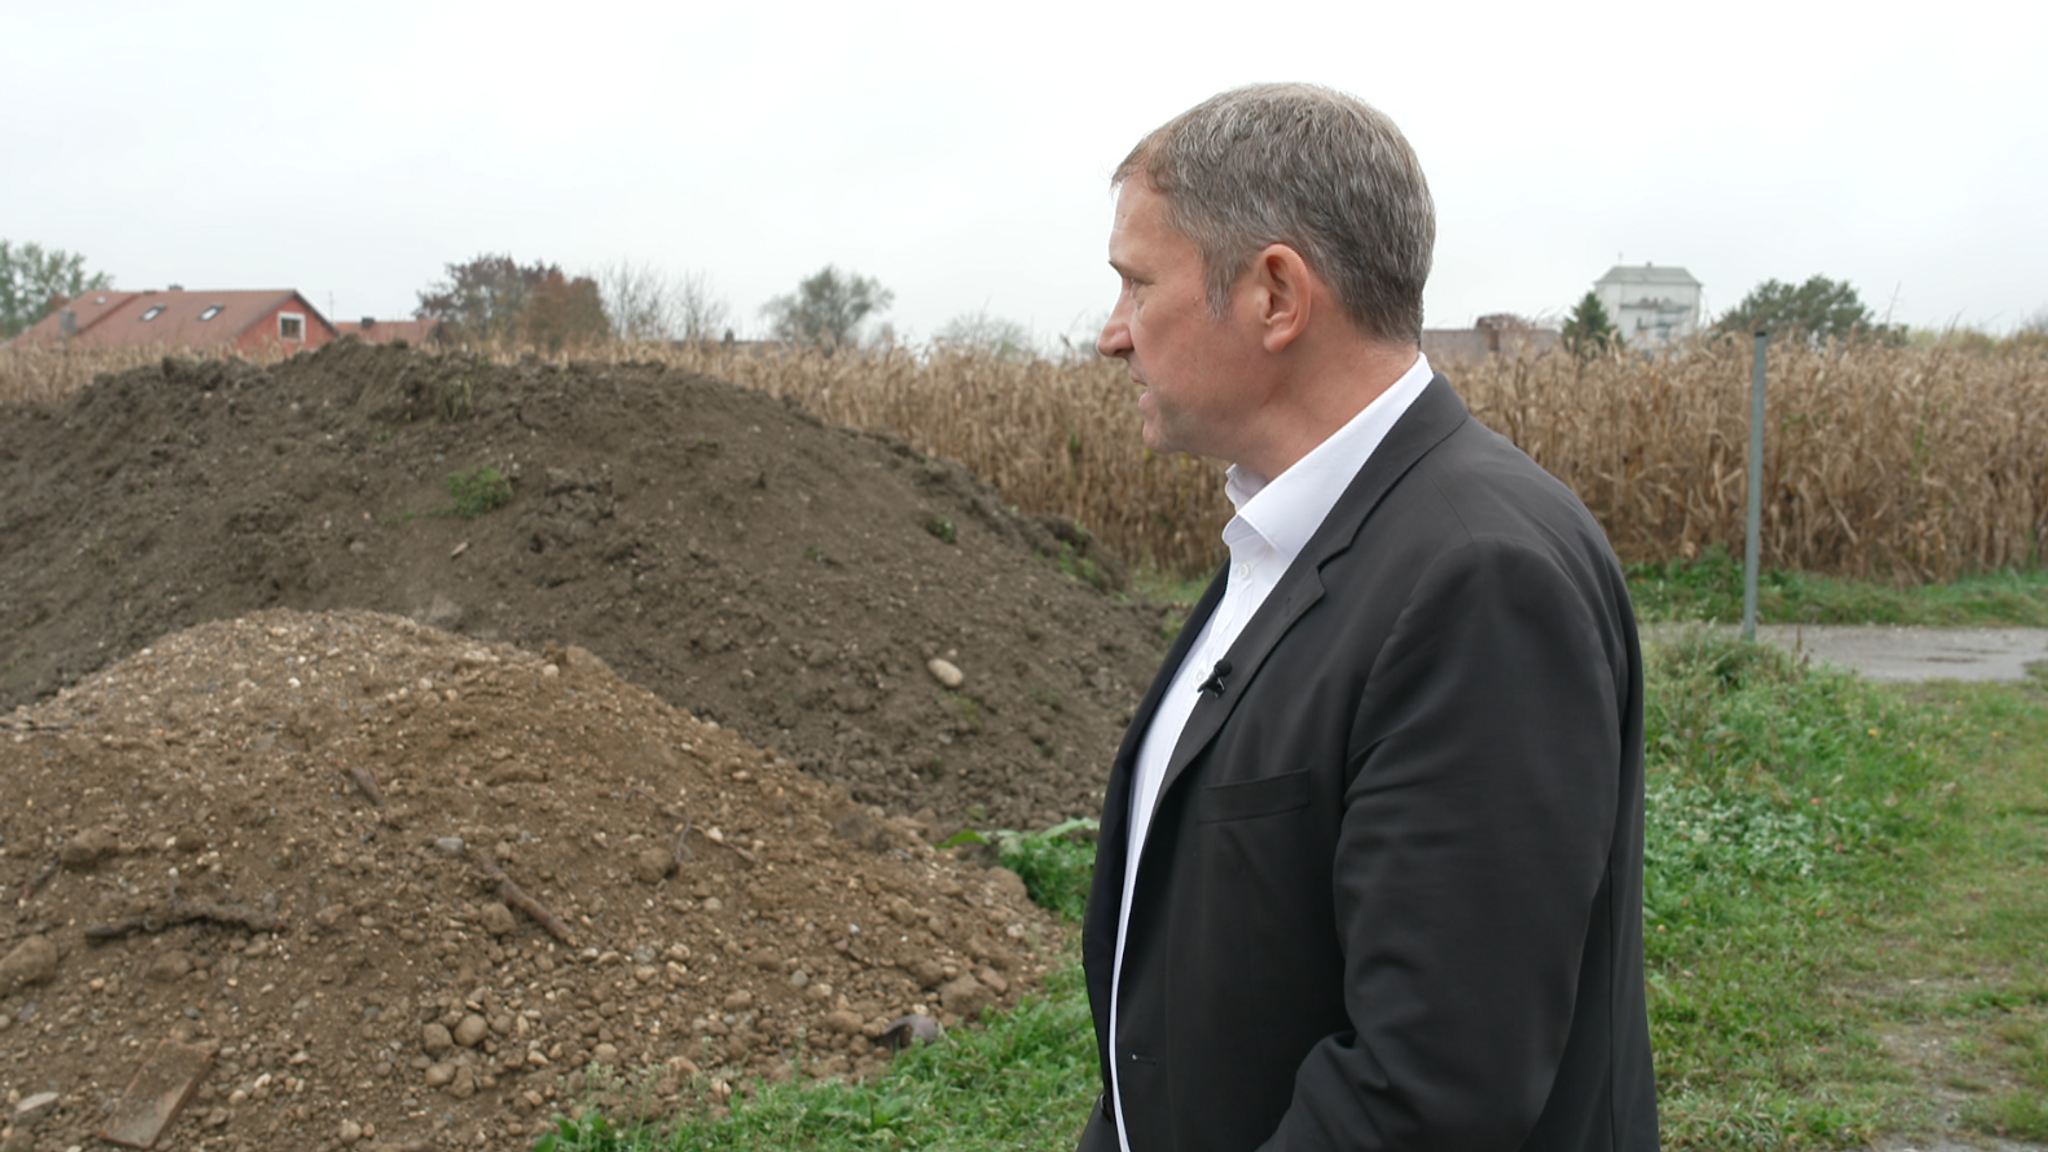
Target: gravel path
x,y
1897,652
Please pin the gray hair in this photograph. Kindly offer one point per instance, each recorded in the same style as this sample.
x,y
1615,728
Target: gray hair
x,y
1319,171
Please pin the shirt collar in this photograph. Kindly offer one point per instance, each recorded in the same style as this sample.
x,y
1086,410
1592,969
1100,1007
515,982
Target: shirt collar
x,y
1286,510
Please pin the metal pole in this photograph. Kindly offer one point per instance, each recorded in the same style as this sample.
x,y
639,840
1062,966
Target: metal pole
x,y
1752,547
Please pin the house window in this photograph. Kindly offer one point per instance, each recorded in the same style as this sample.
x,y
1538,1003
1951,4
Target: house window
x,y
212,310
291,326
155,310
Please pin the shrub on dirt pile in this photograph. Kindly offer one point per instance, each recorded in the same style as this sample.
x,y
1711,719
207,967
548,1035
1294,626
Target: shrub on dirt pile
x,y
400,883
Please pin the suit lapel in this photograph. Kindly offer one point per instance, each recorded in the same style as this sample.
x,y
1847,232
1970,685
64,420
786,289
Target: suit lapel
x,y
1117,800
1433,416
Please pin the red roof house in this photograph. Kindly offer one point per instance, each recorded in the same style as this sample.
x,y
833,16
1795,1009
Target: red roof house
x,y
239,322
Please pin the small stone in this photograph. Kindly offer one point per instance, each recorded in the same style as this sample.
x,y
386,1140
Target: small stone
x,y
739,1001
35,1103
349,1132
799,978
472,1030
33,961
843,1023
497,919
440,1075
646,973
945,672
653,865
1009,885
966,996
464,1084
88,848
435,1039
912,1028
926,972
606,1054
993,979
448,845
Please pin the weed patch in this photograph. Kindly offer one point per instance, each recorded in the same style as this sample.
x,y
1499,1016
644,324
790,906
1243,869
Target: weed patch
x,y
475,492
479,490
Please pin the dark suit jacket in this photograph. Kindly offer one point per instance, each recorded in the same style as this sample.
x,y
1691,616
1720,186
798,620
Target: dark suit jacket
x,y
1391,897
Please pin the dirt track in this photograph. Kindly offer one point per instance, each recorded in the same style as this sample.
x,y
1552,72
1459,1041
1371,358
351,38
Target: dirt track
x,y
277,831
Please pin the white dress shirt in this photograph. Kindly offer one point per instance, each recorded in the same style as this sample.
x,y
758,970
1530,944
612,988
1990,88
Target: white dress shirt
x,y
1274,521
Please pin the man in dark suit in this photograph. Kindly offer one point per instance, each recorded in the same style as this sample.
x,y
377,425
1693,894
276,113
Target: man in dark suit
x,y
1370,869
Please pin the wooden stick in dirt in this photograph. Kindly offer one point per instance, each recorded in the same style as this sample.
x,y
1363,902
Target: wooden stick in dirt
x,y
185,912
682,837
367,784
512,894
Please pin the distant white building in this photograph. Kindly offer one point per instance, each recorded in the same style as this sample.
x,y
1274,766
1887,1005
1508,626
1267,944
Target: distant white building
x,y
1650,306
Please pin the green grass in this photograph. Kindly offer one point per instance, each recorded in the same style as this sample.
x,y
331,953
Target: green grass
x,y
475,491
1787,805
1710,589
1025,1081
1055,864
1846,902
478,490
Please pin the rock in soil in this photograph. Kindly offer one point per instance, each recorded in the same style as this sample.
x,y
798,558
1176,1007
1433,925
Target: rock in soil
x,y
488,946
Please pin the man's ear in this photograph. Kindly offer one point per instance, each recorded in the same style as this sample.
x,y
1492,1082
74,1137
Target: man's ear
x,y
1288,294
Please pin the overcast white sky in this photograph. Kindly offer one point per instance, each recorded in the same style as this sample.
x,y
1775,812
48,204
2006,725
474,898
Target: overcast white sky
x,y
959,153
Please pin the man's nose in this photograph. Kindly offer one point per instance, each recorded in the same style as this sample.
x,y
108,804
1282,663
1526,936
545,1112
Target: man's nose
x,y
1116,336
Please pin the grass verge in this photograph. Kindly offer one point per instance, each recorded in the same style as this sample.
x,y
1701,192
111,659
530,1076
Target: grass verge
x,y
1710,589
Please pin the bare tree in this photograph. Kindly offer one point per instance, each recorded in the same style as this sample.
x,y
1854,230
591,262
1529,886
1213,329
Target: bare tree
x,y
702,313
647,304
638,300
1002,338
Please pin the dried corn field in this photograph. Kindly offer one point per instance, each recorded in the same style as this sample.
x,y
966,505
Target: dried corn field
x,y
1909,464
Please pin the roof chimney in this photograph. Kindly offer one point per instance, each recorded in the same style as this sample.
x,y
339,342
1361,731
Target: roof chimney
x,y
175,288
369,322
67,324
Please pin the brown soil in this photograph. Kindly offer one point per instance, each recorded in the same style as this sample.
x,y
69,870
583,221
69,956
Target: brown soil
x,y
190,850
784,578
281,839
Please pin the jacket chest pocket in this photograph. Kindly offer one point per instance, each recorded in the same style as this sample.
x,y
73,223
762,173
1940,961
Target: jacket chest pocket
x,y
1248,799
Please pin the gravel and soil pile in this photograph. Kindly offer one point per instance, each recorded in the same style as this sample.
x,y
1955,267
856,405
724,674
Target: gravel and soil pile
x,y
787,579
324,802
390,886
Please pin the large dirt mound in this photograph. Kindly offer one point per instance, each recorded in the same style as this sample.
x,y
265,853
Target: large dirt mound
x,y
787,579
284,844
